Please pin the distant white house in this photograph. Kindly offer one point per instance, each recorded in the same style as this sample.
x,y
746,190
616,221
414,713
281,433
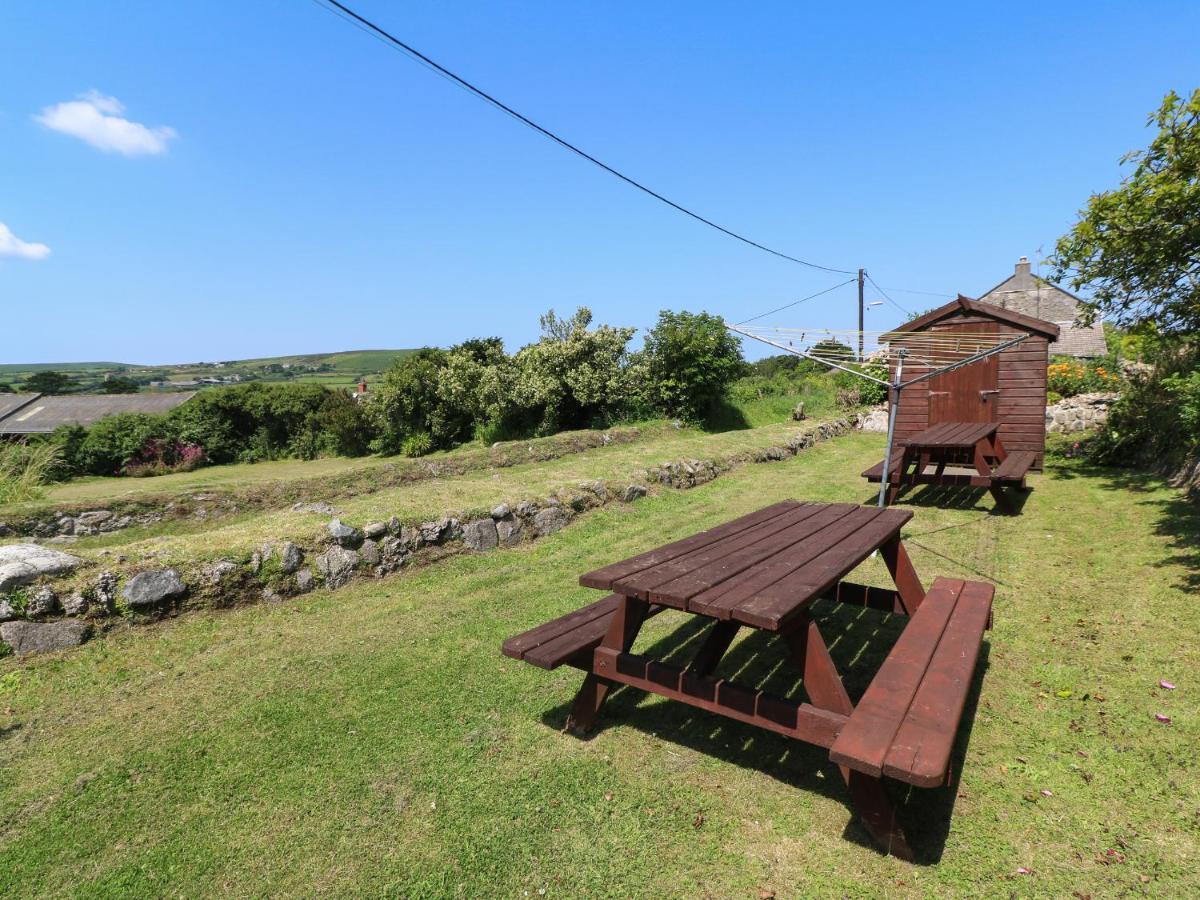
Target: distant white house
x,y
1025,293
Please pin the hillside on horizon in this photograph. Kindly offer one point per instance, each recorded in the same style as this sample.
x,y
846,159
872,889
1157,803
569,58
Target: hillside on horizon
x,y
339,369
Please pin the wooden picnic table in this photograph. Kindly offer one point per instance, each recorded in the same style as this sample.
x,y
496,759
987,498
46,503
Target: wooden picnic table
x,y
764,571
958,445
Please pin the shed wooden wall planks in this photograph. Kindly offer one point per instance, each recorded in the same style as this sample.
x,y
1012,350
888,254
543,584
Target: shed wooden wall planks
x,y
1020,406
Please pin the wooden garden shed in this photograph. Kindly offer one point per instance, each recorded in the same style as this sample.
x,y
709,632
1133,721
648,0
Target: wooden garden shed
x,y
1008,388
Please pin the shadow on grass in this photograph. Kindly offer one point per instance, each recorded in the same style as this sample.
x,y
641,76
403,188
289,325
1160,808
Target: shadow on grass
x,y
724,416
1177,518
959,497
858,640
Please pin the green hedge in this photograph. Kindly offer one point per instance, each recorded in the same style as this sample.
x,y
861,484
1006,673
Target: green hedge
x,y
575,376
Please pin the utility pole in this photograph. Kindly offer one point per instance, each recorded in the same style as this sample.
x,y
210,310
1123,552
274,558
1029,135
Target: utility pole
x,y
861,273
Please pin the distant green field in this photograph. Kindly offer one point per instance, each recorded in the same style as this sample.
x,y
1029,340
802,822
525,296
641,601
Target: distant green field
x,y
11,369
340,369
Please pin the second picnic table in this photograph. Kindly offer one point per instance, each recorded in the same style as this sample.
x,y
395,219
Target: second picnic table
x,y
959,445
764,571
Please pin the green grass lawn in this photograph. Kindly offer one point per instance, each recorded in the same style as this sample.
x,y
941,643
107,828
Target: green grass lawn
x,y
374,741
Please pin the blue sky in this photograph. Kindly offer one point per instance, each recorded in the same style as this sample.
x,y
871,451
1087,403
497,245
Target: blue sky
x,y
283,183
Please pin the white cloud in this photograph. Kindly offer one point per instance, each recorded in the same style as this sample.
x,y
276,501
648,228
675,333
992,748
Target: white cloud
x,y
98,119
11,245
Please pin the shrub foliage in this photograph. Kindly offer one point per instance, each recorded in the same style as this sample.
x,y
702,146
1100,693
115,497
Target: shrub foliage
x,y
575,375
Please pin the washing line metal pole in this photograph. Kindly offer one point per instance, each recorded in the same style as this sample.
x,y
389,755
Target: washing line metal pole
x,y
897,384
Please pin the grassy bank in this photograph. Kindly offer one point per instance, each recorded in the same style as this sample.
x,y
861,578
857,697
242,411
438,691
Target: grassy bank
x,y
471,493
373,741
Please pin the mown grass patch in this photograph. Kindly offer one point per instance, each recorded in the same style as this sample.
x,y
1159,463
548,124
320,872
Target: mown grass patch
x,y
373,741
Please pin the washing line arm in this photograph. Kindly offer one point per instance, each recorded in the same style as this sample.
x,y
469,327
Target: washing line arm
x,y
991,351
807,355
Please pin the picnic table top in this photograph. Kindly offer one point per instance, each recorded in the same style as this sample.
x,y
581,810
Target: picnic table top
x,y
953,435
761,569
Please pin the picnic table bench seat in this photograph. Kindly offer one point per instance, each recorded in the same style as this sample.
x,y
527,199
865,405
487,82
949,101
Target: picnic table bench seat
x,y
569,639
1015,467
905,724
875,473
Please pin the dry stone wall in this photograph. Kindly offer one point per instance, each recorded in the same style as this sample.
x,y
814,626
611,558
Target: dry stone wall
x,y
35,612
1080,413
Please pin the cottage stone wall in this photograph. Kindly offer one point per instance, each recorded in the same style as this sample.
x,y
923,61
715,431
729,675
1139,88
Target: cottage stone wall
x,y
1025,293
1081,413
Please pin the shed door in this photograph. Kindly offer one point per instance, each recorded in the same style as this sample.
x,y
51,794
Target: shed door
x,y
969,394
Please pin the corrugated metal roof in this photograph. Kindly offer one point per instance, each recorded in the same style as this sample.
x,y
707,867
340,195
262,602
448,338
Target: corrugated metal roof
x,y
10,403
42,414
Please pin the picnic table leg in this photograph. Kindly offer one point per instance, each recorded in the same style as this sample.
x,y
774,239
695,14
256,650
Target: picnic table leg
x,y
998,449
908,583
984,468
622,631
941,466
868,796
821,680
715,644
874,808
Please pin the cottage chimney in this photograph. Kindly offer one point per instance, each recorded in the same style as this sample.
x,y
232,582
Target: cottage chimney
x,y
1022,266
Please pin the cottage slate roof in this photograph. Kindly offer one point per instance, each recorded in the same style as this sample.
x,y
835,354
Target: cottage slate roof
x,y
1025,293
965,304
41,414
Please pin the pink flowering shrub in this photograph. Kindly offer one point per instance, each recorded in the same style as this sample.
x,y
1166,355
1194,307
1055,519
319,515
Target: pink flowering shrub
x,y
159,457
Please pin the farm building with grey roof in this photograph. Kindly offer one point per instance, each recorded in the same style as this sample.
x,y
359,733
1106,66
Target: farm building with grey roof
x,y
42,413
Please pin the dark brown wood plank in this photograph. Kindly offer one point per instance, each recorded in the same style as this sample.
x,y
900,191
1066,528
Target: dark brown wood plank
x,y
956,436
644,584
720,601
772,607
931,435
849,592
603,578
518,646
554,653
701,575
908,584
949,435
876,471
1015,466
920,751
866,738
575,647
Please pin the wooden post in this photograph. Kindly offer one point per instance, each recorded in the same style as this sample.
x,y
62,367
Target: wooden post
x,y
861,324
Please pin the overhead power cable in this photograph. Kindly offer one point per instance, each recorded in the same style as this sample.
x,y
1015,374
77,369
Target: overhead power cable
x,y
796,302
344,12
885,295
923,293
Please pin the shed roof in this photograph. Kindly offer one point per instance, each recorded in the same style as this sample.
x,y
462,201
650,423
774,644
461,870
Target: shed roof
x,y
41,414
967,305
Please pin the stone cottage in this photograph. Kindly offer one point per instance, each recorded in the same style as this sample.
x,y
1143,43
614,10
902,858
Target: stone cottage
x,y
1025,293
